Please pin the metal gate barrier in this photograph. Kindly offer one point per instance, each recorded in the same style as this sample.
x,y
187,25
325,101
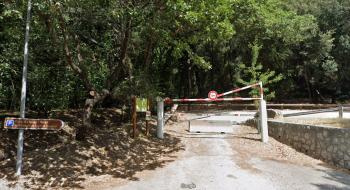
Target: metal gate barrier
x,y
213,96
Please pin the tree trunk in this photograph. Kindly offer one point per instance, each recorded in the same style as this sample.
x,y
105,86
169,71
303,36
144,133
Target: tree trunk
x,y
89,105
148,53
308,86
124,61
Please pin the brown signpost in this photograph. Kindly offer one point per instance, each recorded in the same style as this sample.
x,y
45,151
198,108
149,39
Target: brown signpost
x,y
34,124
142,106
134,115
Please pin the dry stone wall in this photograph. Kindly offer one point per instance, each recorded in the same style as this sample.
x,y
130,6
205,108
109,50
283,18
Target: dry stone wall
x,y
331,145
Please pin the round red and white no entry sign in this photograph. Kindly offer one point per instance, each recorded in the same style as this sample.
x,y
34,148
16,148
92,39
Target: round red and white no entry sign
x,y
212,95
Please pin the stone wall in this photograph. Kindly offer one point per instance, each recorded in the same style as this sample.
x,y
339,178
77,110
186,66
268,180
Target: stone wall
x,y
331,145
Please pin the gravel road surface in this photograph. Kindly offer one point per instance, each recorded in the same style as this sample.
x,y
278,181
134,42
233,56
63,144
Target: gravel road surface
x,y
236,161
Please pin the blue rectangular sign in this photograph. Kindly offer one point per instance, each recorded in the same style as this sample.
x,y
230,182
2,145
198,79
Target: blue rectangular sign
x,y
10,123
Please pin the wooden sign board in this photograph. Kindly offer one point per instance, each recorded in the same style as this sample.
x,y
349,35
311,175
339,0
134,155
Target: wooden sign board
x,y
35,124
141,105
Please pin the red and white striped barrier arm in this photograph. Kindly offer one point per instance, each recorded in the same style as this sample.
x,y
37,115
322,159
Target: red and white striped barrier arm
x,y
210,100
238,89
217,96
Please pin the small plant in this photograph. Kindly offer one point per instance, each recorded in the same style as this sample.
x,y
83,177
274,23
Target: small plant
x,y
254,73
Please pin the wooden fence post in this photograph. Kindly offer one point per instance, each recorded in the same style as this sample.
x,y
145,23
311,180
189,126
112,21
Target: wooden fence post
x,y
134,117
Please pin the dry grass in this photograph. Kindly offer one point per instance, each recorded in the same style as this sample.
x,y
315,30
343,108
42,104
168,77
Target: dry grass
x,y
329,122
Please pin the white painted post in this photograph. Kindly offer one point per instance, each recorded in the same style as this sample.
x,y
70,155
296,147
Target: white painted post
x,y
261,92
341,111
160,117
23,92
263,122
259,120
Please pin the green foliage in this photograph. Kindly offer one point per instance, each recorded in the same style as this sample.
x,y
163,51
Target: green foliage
x,y
140,86
254,73
174,48
10,56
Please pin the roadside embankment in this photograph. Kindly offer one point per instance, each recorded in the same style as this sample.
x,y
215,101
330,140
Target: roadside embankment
x,y
329,144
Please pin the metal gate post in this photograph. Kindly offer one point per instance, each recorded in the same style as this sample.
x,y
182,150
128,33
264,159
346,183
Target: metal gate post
x,y
263,122
259,120
341,111
261,92
19,161
160,117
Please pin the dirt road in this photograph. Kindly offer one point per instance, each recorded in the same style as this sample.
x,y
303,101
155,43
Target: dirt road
x,y
203,162
238,161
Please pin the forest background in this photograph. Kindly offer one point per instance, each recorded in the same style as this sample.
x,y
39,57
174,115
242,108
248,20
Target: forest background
x,y
86,54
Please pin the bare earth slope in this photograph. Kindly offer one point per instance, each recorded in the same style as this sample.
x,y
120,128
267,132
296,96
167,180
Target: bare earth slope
x,y
52,160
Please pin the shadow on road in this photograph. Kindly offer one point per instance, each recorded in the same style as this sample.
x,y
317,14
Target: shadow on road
x,y
339,177
50,161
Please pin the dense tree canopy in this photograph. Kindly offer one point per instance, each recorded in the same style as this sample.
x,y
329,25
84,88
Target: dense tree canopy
x,y
85,53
